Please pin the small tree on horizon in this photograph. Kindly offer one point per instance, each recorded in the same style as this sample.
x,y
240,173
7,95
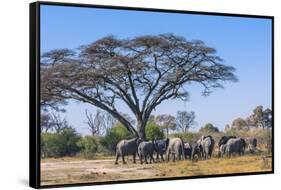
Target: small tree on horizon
x,y
185,120
166,122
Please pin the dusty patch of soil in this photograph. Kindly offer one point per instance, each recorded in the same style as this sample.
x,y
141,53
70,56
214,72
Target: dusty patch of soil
x,y
67,171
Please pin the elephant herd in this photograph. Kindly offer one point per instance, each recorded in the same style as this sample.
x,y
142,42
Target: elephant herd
x,y
176,149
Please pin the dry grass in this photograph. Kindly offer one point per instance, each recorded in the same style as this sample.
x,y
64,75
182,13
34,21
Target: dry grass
x,y
78,170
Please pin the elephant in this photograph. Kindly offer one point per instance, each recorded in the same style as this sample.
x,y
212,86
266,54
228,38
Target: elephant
x,y
222,150
187,150
234,146
176,148
252,144
127,147
223,140
145,150
161,147
207,144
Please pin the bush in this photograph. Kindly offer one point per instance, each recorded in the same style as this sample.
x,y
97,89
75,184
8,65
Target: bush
x,y
153,131
113,136
209,128
49,145
231,132
60,144
88,146
187,137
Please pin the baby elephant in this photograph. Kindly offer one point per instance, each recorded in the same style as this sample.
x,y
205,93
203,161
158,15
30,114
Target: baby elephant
x,y
187,150
145,150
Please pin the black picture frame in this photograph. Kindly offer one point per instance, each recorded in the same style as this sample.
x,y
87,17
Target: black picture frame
x,y
34,91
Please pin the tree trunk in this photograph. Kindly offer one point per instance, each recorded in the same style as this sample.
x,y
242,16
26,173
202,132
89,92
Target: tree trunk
x,y
141,129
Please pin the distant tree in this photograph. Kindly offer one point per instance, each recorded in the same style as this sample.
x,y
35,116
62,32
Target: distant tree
x,y
209,128
185,120
142,73
267,118
153,131
166,122
46,122
94,122
152,119
261,118
227,127
239,124
58,124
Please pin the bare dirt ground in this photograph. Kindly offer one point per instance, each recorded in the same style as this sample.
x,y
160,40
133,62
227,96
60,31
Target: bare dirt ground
x,y
78,170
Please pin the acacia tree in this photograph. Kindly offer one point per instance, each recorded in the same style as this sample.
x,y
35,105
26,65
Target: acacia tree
x,y
141,72
261,118
185,120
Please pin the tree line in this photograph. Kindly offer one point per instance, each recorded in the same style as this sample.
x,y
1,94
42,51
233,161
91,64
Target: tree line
x,y
58,138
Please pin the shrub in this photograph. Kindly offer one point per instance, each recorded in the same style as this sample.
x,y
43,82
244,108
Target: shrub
x,y
231,132
49,145
209,128
60,144
113,136
88,146
153,131
187,137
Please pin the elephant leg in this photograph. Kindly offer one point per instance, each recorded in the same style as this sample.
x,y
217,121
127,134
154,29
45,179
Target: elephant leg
x,y
145,158
141,157
134,158
162,158
174,157
157,157
177,156
117,157
167,156
151,158
123,159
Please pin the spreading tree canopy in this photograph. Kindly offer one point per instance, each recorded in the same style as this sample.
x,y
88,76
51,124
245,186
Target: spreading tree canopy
x,y
142,72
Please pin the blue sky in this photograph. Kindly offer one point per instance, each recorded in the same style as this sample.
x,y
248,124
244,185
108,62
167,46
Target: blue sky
x,y
244,43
